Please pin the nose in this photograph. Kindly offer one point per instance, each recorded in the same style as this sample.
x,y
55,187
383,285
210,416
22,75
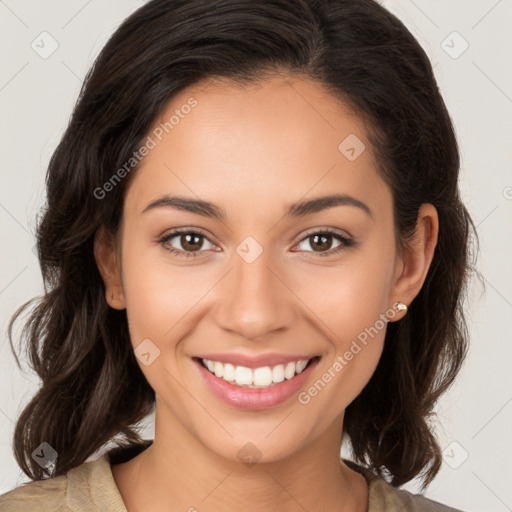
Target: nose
x,y
254,300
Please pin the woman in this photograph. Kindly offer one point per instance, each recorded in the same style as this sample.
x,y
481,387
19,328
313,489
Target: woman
x,y
254,228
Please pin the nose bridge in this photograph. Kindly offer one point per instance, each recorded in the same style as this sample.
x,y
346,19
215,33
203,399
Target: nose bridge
x,y
254,300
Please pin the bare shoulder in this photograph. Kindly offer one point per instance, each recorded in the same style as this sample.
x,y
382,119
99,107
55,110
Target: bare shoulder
x,y
37,496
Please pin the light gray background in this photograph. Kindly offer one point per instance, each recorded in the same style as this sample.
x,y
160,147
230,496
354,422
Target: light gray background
x,y
36,100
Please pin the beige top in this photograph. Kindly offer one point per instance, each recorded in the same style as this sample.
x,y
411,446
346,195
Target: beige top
x,y
91,487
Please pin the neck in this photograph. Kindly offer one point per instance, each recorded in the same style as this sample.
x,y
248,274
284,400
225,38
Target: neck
x,y
177,472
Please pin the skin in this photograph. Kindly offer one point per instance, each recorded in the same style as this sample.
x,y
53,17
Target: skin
x,y
253,150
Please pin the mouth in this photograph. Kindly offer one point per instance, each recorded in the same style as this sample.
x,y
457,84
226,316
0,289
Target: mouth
x,y
256,387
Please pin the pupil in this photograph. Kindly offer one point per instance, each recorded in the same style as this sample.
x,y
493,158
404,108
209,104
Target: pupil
x,y
190,245
317,237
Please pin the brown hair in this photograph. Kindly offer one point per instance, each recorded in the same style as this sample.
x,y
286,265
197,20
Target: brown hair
x,y
92,387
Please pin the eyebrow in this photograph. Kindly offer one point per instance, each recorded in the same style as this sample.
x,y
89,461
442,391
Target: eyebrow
x,y
295,210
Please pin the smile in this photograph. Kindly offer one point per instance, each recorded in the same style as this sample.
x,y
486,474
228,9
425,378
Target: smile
x,y
263,377
254,386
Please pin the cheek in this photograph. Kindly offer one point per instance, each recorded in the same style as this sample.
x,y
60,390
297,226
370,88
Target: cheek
x,y
160,301
350,303
158,294
349,297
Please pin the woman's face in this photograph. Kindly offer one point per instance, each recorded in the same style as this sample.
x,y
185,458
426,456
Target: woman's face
x,y
262,284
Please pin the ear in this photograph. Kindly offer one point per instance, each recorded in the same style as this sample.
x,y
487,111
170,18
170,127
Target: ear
x,y
413,264
105,254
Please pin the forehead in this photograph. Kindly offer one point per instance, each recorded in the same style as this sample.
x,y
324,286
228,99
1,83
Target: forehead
x,y
270,143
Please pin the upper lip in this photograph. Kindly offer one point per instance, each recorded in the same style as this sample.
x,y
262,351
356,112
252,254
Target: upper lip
x,y
256,361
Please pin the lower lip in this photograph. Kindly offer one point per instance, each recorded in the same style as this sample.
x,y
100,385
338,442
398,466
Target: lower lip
x,y
254,398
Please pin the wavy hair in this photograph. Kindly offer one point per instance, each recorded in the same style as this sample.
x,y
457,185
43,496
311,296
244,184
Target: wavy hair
x,y
92,388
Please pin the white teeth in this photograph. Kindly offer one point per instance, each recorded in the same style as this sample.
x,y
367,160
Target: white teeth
x,y
243,375
278,373
263,377
301,365
229,372
289,371
218,368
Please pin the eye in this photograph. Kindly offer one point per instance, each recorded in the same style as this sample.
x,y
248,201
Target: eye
x,y
320,240
190,241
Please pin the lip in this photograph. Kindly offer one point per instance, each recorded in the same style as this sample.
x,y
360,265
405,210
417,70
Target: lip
x,y
255,398
256,361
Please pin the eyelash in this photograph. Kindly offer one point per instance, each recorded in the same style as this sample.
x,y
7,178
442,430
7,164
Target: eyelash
x,y
345,242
